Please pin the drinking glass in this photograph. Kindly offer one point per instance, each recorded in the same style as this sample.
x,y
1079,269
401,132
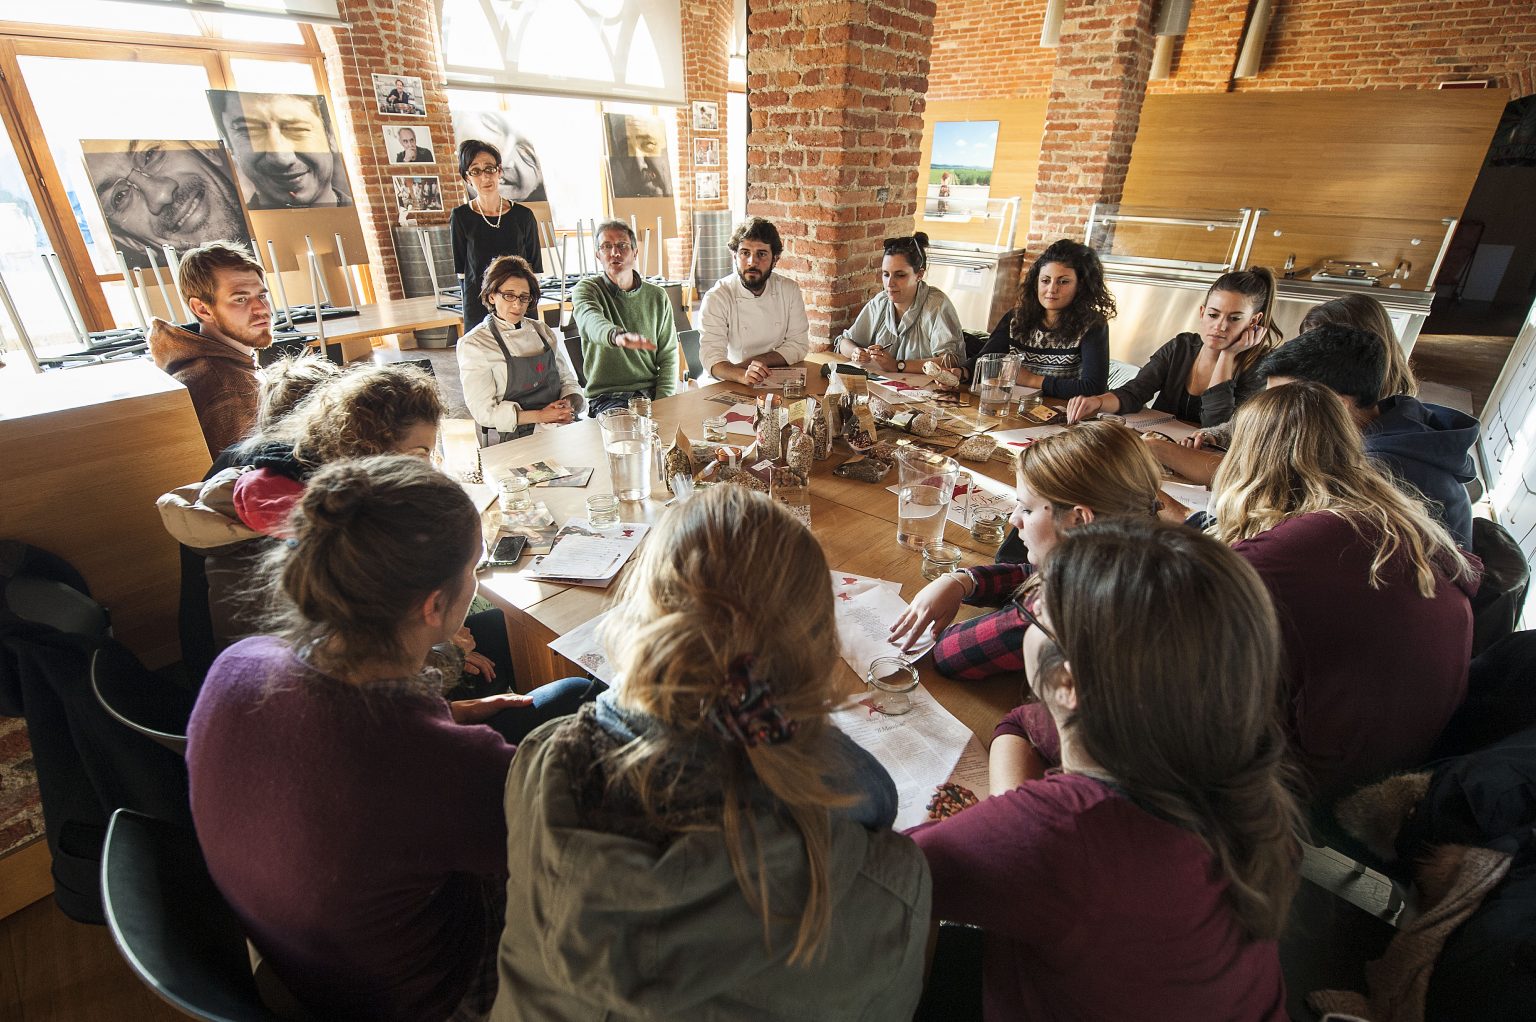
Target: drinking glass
x,y
892,681
940,559
993,383
627,442
715,430
603,511
927,485
514,496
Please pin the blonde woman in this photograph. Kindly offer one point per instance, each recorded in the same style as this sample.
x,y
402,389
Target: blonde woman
x,y
702,842
1372,593
1095,470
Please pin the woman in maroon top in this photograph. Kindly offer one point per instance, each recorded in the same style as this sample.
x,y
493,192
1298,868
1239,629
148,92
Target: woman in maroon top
x,y
1373,594
1149,875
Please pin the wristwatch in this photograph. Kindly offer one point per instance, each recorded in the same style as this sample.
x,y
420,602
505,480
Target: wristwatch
x,y
901,365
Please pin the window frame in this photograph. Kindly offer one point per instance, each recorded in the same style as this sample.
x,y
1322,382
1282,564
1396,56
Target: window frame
x,y
19,119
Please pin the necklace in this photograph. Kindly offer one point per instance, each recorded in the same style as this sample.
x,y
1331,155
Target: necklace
x,y
492,224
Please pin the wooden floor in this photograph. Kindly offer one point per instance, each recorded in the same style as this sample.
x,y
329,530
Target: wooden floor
x,y
53,970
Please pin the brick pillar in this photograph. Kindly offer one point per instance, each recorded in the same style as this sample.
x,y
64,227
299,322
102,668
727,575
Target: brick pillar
x,y
836,95
1090,119
397,37
706,72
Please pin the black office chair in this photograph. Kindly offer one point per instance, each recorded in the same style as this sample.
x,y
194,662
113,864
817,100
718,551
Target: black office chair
x,y
172,925
688,344
1506,578
140,699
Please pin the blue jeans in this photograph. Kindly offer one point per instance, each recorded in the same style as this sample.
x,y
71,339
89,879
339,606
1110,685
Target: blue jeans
x,y
617,399
557,699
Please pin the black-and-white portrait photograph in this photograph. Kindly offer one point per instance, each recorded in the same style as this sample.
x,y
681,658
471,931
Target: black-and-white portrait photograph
x,y
706,116
419,194
155,193
408,143
706,152
284,147
399,94
706,184
522,177
638,166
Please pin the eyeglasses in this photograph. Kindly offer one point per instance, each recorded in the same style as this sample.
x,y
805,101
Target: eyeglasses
x,y
514,296
909,247
1027,609
484,172
615,248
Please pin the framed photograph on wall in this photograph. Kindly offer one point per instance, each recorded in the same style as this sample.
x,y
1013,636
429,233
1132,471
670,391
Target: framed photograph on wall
x,y
418,194
706,184
706,152
284,147
408,143
706,116
400,94
155,193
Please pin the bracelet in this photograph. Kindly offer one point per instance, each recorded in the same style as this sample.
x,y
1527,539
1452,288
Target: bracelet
x,y
966,579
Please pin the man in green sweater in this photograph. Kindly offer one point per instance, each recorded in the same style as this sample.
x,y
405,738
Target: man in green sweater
x,y
628,337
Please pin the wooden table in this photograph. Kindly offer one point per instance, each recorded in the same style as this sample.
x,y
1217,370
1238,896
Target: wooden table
x,y
392,316
854,521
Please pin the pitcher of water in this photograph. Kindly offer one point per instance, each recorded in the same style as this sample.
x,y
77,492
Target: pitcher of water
x,y
993,383
927,486
627,442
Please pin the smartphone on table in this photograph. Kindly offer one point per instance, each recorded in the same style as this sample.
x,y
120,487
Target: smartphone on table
x,y
508,550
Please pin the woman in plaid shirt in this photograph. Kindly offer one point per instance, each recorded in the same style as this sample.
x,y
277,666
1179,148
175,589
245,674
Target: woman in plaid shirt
x,y
1094,470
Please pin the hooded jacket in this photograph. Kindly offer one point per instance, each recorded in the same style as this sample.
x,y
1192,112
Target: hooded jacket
x,y
1429,446
608,925
224,383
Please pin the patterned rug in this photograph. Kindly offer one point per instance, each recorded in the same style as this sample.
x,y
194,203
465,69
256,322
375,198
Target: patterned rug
x,y
21,808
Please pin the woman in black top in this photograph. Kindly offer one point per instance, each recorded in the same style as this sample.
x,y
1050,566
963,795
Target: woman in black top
x,y
1203,377
1060,328
487,226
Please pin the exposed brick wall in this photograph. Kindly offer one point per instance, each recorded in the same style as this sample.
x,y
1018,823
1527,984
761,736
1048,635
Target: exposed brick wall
x,y
397,37
1097,89
706,49
835,91
989,49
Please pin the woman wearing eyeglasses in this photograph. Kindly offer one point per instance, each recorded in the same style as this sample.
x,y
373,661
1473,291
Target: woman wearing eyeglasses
x,y
515,371
488,226
908,322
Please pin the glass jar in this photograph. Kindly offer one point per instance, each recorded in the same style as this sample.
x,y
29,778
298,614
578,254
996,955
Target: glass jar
x,y
715,431
603,511
891,682
987,528
940,559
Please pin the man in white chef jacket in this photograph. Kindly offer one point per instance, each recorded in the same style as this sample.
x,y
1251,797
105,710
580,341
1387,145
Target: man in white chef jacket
x,y
753,320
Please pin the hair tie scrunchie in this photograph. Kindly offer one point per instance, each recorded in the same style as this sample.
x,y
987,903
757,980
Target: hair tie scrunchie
x,y
745,712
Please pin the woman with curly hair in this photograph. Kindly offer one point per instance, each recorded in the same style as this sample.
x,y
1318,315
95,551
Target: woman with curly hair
x,y
1060,328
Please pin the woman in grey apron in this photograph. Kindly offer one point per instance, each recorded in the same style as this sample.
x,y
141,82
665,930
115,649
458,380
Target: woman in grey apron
x,y
515,371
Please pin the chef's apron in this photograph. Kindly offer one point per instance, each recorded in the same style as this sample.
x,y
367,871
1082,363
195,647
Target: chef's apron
x,y
533,381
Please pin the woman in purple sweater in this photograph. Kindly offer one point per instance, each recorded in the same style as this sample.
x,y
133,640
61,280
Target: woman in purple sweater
x,y
1150,872
346,811
1373,594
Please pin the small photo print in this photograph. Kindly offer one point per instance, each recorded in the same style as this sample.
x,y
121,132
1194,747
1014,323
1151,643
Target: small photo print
x,y
706,185
408,143
706,152
419,194
399,94
706,116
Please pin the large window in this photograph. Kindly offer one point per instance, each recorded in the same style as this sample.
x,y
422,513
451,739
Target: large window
x,y
109,71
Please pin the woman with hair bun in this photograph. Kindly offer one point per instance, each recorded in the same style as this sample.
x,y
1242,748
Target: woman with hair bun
x,y
1150,875
910,321
348,813
1060,328
701,842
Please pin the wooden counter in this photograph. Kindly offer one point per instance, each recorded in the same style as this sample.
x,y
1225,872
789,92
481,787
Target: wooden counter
x,y
85,453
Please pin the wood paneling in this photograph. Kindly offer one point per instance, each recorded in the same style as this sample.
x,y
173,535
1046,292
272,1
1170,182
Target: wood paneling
x,y
1394,162
1021,122
86,453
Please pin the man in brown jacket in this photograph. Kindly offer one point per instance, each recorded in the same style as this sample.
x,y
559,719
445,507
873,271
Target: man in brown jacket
x,y
215,358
